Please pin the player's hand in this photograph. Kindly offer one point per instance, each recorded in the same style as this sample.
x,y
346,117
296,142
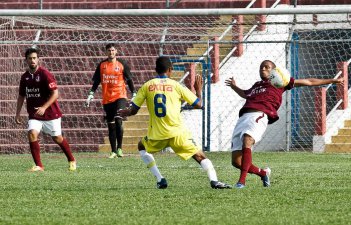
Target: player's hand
x,y
18,119
40,111
339,81
230,82
123,113
198,83
89,99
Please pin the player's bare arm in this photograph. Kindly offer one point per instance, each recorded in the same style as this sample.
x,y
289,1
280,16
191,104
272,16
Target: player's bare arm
x,y
20,101
232,84
41,110
198,90
317,82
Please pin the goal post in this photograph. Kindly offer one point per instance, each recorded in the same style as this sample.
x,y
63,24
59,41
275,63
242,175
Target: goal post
x,y
311,41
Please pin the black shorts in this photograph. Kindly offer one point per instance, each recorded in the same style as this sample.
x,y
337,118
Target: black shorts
x,y
112,108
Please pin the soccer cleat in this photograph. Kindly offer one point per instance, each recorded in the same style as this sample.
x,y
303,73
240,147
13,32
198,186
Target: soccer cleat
x,y
36,169
239,185
119,152
113,155
72,166
162,184
265,179
219,185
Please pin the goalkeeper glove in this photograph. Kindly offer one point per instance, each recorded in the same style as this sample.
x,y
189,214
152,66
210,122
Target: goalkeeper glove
x,y
89,99
133,96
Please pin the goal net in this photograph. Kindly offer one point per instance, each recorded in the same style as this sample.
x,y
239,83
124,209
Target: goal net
x,y
215,45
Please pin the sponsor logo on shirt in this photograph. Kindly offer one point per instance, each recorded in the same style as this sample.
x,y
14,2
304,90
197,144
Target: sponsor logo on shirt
x,y
109,79
257,90
32,92
161,87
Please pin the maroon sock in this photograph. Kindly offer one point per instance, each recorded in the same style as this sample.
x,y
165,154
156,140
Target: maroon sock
x,y
66,149
246,161
35,150
255,170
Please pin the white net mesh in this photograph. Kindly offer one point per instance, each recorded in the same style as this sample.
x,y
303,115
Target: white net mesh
x,y
72,46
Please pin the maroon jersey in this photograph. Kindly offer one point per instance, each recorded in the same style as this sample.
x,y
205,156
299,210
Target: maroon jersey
x,y
37,88
264,97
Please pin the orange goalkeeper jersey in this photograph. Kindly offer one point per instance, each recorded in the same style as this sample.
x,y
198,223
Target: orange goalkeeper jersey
x,y
112,81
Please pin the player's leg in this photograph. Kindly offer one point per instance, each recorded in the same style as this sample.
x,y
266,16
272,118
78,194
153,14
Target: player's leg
x,y
246,158
149,160
53,128
34,128
236,162
120,104
110,110
252,127
185,147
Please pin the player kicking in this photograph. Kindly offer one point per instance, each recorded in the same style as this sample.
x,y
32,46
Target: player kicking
x,y
260,109
163,98
38,86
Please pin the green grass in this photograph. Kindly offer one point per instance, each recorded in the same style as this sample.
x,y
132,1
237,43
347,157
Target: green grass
x,y
306,189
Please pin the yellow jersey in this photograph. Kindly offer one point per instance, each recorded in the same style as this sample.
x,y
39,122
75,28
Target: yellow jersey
x,y
163,99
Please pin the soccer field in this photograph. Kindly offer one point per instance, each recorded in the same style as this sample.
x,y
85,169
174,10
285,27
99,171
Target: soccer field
x,y
306,189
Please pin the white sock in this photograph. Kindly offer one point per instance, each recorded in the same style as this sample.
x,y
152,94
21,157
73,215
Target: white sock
x,y
149,160
206,164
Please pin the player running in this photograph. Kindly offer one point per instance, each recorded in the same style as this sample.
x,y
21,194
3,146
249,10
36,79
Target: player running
x,y
113,74
260,109
38,86
163,98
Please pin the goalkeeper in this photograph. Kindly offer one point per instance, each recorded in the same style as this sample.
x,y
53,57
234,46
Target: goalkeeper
x,y
113,74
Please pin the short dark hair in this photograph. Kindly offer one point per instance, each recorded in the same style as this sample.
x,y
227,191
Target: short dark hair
x,y
163,64
110,45
30,51
269,61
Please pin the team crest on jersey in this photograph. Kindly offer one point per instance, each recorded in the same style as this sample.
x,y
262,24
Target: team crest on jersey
x,y
117,68
37,78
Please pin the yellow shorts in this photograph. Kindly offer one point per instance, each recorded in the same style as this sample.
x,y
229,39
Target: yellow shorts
x,y
183,145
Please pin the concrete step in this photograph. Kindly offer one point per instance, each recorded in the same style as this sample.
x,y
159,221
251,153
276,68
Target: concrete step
x,y
344,131
341,139
127,148
78,63
338,148
135,124
347,123
130,144
74,77
68,107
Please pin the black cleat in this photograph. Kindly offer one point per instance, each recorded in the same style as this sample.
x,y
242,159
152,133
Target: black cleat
x,y
219,185
162,184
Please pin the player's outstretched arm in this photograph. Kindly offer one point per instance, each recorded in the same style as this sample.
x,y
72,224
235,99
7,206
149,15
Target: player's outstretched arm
x,y
20,101
232,84
317,82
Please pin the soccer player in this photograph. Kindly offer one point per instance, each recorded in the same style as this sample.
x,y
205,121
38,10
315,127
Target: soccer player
x,y
38,86
163,98
113,74
260,109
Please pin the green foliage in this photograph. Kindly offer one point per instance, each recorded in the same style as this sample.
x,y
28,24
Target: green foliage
x,y
306,189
